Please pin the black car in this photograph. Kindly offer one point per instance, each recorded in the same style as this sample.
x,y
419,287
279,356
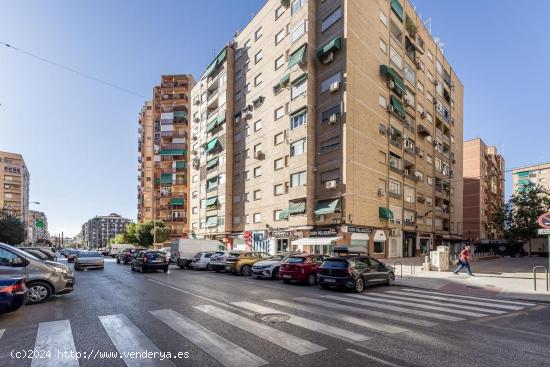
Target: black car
x,y
150,260
354,272
12,294
127,256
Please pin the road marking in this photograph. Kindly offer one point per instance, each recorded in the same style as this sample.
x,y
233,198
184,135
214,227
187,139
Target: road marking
x,y
2,332
470,297
217,347
56,339
433,315
127,338
346,318
462,307
418,305
321,328
284,340
385,315
387,363
458,300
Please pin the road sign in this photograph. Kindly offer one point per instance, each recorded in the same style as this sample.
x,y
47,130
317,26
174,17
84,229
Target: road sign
x,y
40,224
544,220
544,231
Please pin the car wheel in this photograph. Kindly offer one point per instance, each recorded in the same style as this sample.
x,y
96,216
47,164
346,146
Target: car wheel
x,y
102,268
217,270
325,286
311,279
391,279
166,269
246,270
38,292
77,268
132,267
286,281
117,260
275,273
359,285
140,270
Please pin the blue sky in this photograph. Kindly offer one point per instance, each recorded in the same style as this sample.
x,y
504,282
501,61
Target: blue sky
x,y
79,137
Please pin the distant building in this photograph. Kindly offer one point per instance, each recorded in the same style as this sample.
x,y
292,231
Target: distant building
x,y
538,174
38,227
14,188
483,190
97,231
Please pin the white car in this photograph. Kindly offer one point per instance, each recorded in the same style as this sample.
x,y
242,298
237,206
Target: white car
x,y
202,259
268,268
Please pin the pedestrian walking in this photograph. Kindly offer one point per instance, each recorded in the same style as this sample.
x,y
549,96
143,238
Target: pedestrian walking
x,y
463,260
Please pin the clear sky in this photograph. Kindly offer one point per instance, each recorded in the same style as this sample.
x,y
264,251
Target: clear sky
x,y
79,137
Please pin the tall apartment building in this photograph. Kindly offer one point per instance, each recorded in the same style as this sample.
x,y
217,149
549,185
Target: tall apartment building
x,y
38,227
14,191
535,175
98,231
329,122
163,145
483,190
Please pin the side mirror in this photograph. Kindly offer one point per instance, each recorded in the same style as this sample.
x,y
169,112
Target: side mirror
x,y
17,262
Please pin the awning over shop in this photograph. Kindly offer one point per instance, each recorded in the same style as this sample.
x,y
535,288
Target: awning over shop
x,y
296,207
316,241
212,163
385,213
360,236
333,45
297,57
327,206
379,236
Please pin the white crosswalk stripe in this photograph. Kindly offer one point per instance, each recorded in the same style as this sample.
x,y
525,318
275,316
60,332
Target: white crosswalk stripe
x,y
507,305
284,340
446,304
222,350
368,303
319,327
384,315
127,338
346,318
54,340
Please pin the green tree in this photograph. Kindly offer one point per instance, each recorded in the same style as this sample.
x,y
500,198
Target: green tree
x,y
12,228
130,234
144,233
119,238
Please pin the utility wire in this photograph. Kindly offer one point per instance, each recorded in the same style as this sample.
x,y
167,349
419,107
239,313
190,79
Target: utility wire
x,y
82,74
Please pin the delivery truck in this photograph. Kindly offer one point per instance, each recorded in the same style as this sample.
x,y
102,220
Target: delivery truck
x,y
183,250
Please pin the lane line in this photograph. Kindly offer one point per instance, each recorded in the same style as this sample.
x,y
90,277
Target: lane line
x,y
284,340
312,325
385,315
458,300
446,304
222,350
56,339
128,338
387,363
470,297
390,329
432,315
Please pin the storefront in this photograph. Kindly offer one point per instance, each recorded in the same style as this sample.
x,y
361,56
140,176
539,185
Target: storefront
x,y
425,244
320,241
280,240
409,244
379,244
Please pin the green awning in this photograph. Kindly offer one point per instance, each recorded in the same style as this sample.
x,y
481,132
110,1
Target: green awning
x,y
212,182
180,164
385,213
212,124
212,163
180,114
210,68
297,57
176,201
299,79
221,56
283,214
210,202
172,152
211,145
284,79
523,174
390,73
166,178
397,105
333,45
296,207
327,206
524,181
397,9
217,61
211,222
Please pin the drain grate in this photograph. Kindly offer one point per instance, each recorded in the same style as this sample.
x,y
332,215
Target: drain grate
x,y
273,317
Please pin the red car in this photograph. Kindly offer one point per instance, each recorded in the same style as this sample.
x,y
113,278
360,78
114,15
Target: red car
x,y
300,268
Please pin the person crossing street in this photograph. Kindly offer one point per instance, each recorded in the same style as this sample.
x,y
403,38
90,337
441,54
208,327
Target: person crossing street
x,y
463,261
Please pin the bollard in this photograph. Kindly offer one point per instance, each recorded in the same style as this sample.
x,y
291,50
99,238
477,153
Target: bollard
x,y
535,277
401,265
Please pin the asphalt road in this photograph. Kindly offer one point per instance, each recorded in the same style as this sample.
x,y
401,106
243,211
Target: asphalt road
x,y
215,319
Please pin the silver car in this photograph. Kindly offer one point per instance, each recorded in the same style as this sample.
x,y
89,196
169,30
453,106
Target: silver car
x,y
44,278
88,259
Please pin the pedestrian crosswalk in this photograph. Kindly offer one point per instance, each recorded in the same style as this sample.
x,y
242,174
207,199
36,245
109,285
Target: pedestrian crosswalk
x,y
351,318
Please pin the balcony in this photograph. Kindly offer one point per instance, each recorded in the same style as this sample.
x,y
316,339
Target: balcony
x,y
395,168
409,222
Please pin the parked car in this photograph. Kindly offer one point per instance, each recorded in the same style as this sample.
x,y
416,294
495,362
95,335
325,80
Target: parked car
x,y
354,272
104,252
44,278
168,252
128,255
65,251
89,259
12,294
269,268
150,260
72,255
218,262
300,268
241,262
50,255
35,253
116,248
202,259
183,251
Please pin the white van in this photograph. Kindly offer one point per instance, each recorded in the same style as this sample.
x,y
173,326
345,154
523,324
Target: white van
x,y
117,247
183,251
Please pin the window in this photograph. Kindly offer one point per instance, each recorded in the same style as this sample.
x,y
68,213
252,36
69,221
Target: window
x,y
247,88
298,31
236,220
257,148
420,87
258,125
409,193
279,138
257,171
438,67
279,11
258,34
383,46
379,247
297,5
246,153
246,220
258,57
394,161
258,80
331,19
195,210
257,217
429,201
335,78
430,56
333,111
333,174
330,144
298,179
278,164
277,214
298,119
194,178
246,197
236,199
6,257
280,61
246,175
382,101
409,74
280,36
279,112
299,87
383,18
298,147
395,187
429,180
396,59
257,194
419,175
278,190
246,66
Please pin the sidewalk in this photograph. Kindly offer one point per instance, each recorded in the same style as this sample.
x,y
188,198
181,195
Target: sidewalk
x,y
502,277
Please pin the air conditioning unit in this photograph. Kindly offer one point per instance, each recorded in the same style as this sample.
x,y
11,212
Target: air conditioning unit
x,y
405,136
237,120
197,102
423,115
391,84
334,87
436,83
194,152
406,102
197,120
259,154
382,129
389,108
406,172
194,138
330,184
332,119
328,58
394,232
248,115
418,64
417,150
381,191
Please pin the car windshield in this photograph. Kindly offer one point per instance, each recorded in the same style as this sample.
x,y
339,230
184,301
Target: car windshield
x,y
235,254
22,253
277,257
335,264
155,255
89,254
38,254
295,260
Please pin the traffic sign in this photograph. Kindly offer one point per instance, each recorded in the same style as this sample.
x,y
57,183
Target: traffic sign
x,y
544,220
544,231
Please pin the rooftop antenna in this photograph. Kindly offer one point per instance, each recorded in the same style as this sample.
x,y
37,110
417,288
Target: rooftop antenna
x,y
429,20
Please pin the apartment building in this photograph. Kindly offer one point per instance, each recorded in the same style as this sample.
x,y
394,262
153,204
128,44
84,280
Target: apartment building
x,y
98,231
324,123
483,190
162,162
535,175
38,227
15,179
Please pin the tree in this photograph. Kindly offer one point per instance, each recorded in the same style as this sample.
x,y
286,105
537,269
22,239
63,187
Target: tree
x,y
144,233
130,233
12,228
522,211
119,238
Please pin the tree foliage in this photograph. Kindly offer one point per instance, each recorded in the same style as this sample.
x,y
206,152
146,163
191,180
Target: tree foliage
x,y
522,211
142,233
12,228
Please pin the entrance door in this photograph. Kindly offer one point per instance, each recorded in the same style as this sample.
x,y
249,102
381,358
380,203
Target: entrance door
x,y
282,245
393,248
409,247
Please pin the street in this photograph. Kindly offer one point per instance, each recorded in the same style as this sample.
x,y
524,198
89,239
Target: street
x,y
214,319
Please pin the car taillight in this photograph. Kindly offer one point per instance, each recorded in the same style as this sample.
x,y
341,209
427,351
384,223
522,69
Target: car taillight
x,y
350,271
19,287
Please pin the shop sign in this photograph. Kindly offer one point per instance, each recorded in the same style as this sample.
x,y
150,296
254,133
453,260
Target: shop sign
x,y
281,234
323,232
356,229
